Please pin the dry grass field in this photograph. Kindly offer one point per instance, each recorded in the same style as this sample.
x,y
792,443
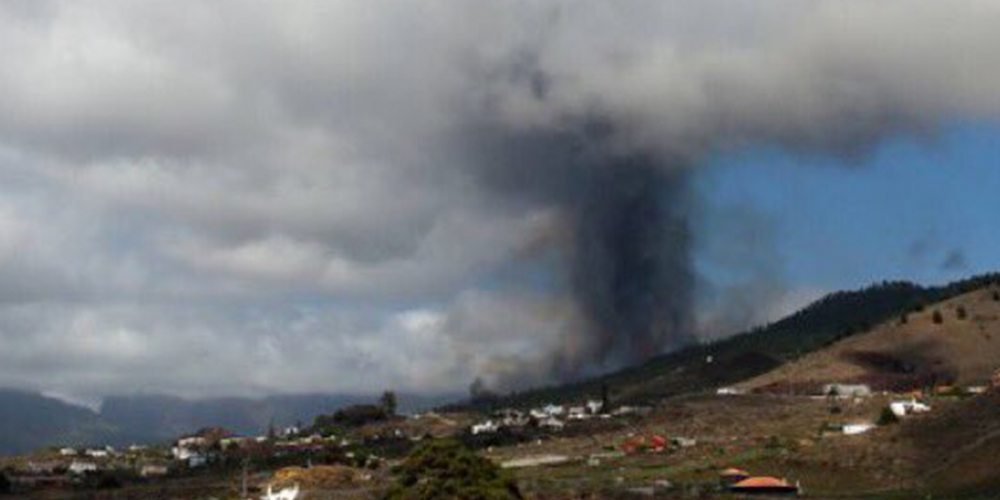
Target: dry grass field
x,y
962,347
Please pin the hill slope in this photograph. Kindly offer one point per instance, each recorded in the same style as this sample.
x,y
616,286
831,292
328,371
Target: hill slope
x,y
30,420
954,341
832,318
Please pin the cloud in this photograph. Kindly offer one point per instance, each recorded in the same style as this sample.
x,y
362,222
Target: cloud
x,y
300,197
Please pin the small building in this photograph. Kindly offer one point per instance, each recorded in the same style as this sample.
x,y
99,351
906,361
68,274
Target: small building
x,y
283,494
594,406
67,452
552,423
80,467
905,408
683,442
553,410
857,428
153,470
765,485
487,427
731,476
730,391
847,390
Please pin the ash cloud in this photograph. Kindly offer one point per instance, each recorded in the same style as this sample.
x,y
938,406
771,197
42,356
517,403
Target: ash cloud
x,y
623,238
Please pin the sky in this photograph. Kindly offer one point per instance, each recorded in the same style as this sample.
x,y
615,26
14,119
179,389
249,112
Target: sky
x,y
914,209
232,198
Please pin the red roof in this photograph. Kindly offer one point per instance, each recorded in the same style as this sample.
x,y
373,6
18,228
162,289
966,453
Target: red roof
x,y
763,482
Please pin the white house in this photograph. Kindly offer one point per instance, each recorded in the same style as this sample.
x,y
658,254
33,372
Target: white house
x,y
79,467
553,410
68,452
847,390
190,449
283,494
730,391
594,406
904,408
487,427
857,428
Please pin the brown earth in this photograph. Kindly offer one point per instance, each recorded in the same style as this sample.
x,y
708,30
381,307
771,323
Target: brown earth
x,y
898,354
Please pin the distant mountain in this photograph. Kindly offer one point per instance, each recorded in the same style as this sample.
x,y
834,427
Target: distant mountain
x,y
707,366
29,421
158,418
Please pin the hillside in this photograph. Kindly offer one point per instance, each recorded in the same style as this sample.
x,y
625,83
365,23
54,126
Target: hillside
x,y
29,420
954,341
835,317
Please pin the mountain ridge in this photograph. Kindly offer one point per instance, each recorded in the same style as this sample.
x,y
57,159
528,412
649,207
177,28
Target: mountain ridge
x,y
30,420
701,367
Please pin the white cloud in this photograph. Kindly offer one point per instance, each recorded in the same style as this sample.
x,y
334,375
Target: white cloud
x,y
223,197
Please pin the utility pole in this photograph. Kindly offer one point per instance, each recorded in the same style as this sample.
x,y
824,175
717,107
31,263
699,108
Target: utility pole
x,y
243,488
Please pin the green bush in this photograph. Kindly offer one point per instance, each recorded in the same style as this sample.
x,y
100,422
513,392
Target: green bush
x,y
352,416
887,417
937,318
961,312
996,296
446,469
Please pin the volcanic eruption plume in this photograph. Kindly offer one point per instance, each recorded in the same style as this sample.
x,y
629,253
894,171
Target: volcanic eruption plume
x,y
625,247
607,128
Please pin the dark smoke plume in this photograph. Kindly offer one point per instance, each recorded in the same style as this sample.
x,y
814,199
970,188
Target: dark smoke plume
x,y
625,240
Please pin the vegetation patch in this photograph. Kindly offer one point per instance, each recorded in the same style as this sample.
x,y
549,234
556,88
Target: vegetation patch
x,y
445,468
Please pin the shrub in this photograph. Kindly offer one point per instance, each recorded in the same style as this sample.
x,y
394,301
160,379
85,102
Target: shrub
x,y
961,312
996,296
887,417
444,468
937,318
5,485
352,416
904,319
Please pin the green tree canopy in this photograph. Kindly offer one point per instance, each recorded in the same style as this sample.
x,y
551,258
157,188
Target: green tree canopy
x,y
446,469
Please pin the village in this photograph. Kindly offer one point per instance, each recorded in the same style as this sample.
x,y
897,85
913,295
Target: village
x,y
674,447
854,418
